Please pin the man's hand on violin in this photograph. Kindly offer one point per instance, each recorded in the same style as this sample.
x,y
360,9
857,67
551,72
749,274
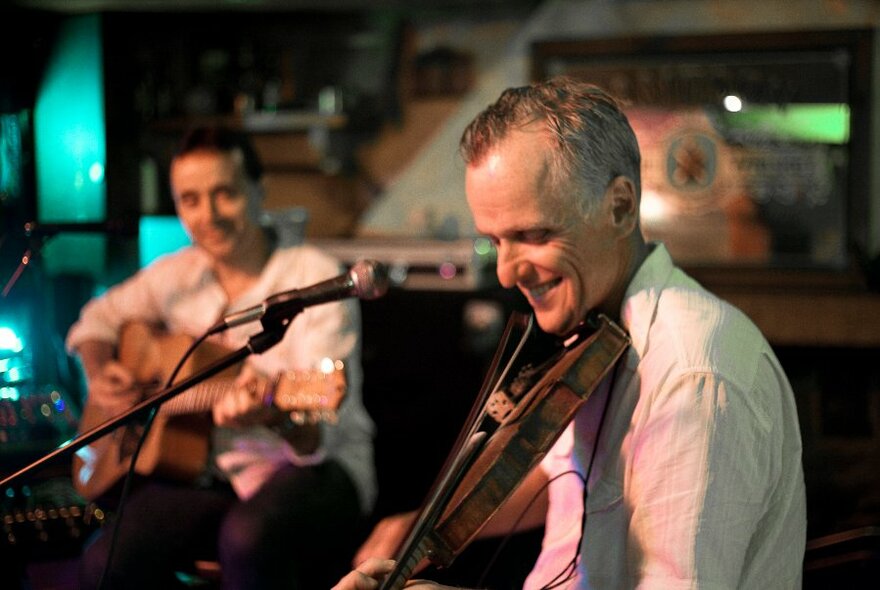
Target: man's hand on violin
x,y
367,576
370,573
386,537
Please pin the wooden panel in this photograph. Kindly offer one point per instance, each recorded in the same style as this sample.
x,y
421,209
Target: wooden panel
x,y
334,203
812,319
287,151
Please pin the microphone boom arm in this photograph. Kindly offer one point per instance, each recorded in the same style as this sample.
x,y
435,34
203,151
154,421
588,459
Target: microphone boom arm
x,y
269,337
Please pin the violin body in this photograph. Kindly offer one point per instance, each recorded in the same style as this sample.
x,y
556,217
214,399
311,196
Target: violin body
x,y
516,447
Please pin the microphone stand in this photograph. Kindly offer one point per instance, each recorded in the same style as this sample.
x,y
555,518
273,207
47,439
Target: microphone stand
x,y
273,332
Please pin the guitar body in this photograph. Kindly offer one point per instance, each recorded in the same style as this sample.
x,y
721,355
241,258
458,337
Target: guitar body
x,y
98,466
178,444
176,447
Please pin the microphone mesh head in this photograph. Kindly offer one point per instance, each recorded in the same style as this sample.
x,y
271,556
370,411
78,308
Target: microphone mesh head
x,y
370,279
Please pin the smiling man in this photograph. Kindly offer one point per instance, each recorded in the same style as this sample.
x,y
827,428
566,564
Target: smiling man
x,y
564,262
685,472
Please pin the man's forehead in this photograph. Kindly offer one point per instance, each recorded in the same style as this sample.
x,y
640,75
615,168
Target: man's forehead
x,y
215,161
500,216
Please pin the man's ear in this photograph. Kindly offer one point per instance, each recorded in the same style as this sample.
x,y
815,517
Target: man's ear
x,y
624,204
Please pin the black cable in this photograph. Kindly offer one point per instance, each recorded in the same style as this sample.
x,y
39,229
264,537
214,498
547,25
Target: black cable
x,y
571,568
129,475
515,524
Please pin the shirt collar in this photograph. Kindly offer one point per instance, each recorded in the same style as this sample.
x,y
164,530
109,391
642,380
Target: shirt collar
x,y
640,301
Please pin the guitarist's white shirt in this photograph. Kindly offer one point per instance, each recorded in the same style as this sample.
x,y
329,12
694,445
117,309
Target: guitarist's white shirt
x,y
180,291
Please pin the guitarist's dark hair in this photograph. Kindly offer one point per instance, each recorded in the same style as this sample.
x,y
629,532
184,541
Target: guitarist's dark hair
x,y
225,140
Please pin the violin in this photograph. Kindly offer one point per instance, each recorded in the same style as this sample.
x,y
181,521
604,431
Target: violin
x,y
485,469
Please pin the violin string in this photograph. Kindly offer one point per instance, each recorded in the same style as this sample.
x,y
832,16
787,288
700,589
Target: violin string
x,y
467,443
527,331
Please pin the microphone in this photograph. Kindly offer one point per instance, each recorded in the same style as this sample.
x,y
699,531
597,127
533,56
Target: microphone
x,y
367,279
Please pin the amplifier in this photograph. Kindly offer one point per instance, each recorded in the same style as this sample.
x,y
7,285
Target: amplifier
x,y
423,265
46,520
42,516
33,423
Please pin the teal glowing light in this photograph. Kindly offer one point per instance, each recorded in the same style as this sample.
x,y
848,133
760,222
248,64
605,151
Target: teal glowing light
x,y
11,155
96,172
69,133
75,253
9,340
10,393
159,234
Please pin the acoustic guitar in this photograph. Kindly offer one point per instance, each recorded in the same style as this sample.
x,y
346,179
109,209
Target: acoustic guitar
x,y
178,444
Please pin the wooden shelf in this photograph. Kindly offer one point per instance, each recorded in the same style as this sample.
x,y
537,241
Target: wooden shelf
x,y
291,121
259,122
846,319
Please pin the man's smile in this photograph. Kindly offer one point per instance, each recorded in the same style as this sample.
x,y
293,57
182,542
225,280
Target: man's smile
x,y
538,291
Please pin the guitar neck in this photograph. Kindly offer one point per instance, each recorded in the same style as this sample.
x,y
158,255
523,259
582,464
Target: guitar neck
x,y
197,399
147,352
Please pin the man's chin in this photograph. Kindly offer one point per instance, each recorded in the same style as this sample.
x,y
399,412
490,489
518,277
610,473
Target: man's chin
x,y
218,246
551,324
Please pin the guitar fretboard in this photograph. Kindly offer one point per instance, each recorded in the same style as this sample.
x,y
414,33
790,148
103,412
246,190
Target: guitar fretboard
x,y
198,399
307,391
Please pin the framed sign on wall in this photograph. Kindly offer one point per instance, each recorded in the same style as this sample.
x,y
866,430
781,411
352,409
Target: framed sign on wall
x,y
755,147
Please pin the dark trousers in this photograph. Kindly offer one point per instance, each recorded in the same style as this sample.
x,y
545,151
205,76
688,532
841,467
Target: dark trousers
x,y
299,530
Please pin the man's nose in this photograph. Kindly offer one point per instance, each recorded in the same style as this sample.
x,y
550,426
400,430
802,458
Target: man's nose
x,y
213,207
510,266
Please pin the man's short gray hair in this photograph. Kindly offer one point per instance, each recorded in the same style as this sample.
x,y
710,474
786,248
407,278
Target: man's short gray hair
x,y
593,140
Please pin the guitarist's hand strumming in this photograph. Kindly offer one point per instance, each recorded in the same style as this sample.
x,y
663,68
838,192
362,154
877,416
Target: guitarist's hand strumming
x,y
114,388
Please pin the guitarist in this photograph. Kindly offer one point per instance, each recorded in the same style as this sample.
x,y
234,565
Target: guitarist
x,y
276,495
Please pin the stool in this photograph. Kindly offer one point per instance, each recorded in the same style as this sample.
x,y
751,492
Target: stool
x,y
849,559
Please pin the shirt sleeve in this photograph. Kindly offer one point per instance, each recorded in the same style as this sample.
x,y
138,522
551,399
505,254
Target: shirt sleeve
x,y
700,476
102,317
